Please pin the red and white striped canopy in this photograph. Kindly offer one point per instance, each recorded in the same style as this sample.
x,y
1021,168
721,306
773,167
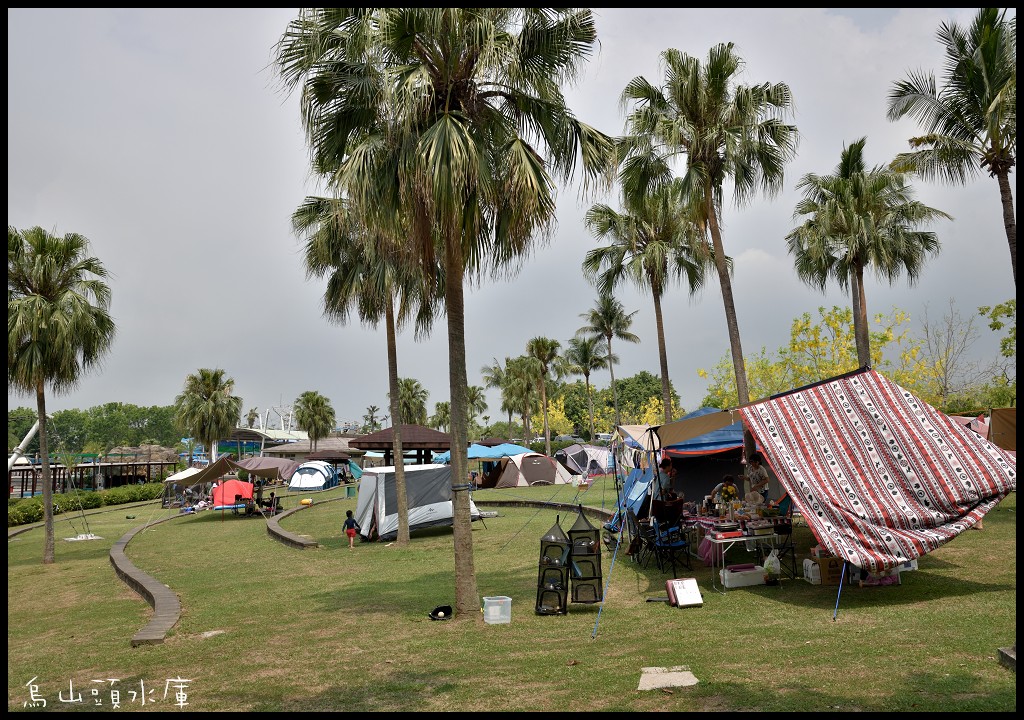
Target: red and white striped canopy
x,y
880,476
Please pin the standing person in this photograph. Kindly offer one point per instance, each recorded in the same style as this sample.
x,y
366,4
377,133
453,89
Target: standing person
x,y
756,476
351,527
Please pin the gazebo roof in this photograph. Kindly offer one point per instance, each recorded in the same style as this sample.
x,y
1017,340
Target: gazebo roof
x,y
492,441
414,437
330,456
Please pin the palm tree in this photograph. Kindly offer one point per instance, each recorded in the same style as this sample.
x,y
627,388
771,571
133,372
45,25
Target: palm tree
x,y
609,319
58,327
450,124
545,352
586,354
365,273
315,415
441,419
251,417
725,131
971,122
370,418
412,401
477,401
859,218
206,409
659,241
495,376
522,377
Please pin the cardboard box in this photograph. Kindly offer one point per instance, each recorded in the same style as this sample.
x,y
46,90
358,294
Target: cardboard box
x,y
742,578
819,552
830,570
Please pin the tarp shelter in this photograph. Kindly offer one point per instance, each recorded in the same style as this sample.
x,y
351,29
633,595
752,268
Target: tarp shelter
x,y
428,489
587,460
181,476
313,476
225,493
880,476
526,469
484,452
702,461
267,468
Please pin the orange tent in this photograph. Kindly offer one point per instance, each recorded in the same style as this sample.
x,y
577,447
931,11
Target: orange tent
x,y
224,494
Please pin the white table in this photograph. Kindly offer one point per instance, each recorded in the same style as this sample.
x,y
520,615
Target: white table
x,y
726,543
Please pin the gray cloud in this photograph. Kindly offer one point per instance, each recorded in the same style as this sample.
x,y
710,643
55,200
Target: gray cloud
x,y
162,136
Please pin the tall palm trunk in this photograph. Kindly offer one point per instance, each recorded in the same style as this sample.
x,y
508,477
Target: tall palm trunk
x,y
590,405
467,601
1009,222
611,371
666,395
736,348
44,452
544,405
860,316
396,423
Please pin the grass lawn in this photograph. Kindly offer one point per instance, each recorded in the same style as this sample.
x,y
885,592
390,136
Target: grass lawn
x,y
266,627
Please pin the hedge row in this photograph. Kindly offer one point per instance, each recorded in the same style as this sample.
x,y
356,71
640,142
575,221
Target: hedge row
x,y
21,511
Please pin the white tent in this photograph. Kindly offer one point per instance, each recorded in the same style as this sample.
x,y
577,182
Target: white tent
x,y
313,476
527,469
429,492
589,460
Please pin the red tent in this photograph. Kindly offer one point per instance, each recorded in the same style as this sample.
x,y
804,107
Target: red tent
x,y
224,494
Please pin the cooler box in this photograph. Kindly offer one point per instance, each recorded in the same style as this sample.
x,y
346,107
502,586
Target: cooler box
x,y
497,610
742,578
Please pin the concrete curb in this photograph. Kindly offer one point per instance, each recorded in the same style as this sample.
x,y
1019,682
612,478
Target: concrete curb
x,y
163,600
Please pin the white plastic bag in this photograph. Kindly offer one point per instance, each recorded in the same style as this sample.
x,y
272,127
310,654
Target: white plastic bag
x,y
772,565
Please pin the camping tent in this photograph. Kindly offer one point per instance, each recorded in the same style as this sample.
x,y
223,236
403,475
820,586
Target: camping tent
x,y
526,469
585,460
225,493
313,476
429,492
880,476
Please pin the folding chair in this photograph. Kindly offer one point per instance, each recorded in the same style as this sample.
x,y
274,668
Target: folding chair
x,y
786,549
670,546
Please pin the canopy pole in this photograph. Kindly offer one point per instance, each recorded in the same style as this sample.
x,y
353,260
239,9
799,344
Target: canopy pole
x,y
842,579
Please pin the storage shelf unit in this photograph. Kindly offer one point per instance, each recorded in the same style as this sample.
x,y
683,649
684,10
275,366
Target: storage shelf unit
x,y
553,572
585,561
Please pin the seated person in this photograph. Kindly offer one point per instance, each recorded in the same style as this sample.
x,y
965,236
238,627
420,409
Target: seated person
x,y
271,503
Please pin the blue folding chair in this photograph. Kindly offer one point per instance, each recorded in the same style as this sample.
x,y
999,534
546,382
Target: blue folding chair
x,y
669,546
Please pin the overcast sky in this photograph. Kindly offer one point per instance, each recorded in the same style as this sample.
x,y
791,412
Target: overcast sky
x,y
163,137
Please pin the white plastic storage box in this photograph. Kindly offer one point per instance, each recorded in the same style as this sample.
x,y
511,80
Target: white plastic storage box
x,y
497,610
811,572
742,578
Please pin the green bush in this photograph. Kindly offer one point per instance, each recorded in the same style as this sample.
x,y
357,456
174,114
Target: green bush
x,y
15,516
29,510
21,511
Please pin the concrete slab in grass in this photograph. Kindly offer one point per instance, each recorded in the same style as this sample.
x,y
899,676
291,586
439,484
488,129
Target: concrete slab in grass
x,y
654,678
